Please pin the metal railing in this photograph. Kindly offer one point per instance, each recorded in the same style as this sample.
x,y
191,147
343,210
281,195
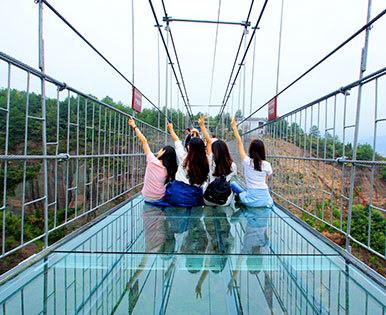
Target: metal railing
x,y
316,173
62,157
103,280
64,154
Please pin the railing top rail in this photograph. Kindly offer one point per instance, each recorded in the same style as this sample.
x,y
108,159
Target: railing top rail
x,y
63,85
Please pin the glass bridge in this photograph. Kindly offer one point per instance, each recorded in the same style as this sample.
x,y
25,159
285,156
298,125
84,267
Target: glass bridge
x,y
68,158
141,259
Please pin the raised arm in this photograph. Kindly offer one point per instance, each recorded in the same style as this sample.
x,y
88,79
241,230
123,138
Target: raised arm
x,y
240,144
180,150
201,122
141,137
172,133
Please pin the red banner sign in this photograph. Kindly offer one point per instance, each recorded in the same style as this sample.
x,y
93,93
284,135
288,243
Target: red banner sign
x,y
272,105
136,102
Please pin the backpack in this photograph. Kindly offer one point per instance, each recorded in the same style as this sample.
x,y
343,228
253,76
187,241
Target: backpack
x,y
218,191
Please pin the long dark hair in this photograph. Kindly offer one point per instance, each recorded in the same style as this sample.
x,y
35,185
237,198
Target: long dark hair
x,y
196,162
169,160
221,158
257,153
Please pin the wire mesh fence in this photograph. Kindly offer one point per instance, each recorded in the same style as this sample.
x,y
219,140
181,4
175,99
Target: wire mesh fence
x,y
62,157
325,170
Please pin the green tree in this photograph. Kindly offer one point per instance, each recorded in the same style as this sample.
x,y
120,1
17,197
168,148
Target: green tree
x,y
314,132
239,114
365,152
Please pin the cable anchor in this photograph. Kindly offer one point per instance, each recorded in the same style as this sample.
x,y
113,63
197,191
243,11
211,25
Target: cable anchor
x,y
63,157
62,87
344,91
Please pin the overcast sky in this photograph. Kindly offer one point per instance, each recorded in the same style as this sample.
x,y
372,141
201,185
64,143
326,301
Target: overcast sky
x,y
310,30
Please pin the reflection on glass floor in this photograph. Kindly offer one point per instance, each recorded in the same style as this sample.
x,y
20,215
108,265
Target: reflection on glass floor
x,y
144,260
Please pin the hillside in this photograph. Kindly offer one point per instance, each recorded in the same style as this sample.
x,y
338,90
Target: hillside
x,y
317,177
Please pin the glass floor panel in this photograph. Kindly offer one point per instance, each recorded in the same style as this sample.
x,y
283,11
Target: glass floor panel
x,y
144,260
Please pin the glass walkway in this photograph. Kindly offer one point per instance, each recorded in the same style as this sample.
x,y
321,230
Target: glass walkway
x,y
145,260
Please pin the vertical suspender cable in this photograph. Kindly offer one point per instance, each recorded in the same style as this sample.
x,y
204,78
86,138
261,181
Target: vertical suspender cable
x,y
44,122
166,84
222,127
44,145
356,130
214,58
178,110
159,81
253,74
279,47
132,46
244,69
132,78
170,93
232,105
239,97
132,39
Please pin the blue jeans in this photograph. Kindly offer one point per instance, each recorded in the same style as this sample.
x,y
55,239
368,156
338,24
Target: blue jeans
x,y
252,197
237,188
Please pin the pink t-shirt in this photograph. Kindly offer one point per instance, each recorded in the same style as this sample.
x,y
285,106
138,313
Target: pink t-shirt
x,y
154,181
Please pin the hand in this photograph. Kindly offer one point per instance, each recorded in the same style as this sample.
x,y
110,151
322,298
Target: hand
x,y
201,120
198,292
170,127
234,123
131,123
231,286
130,283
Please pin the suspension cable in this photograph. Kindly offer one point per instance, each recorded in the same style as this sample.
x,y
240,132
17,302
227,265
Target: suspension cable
x,y
170,59
244,56
344,43
238,50
61,17
372,76
175,52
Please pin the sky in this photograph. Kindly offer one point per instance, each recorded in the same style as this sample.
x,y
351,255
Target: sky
x,y
310,30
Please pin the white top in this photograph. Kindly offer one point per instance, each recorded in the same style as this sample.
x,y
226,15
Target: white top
x,y
182,174
254,178
212,167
